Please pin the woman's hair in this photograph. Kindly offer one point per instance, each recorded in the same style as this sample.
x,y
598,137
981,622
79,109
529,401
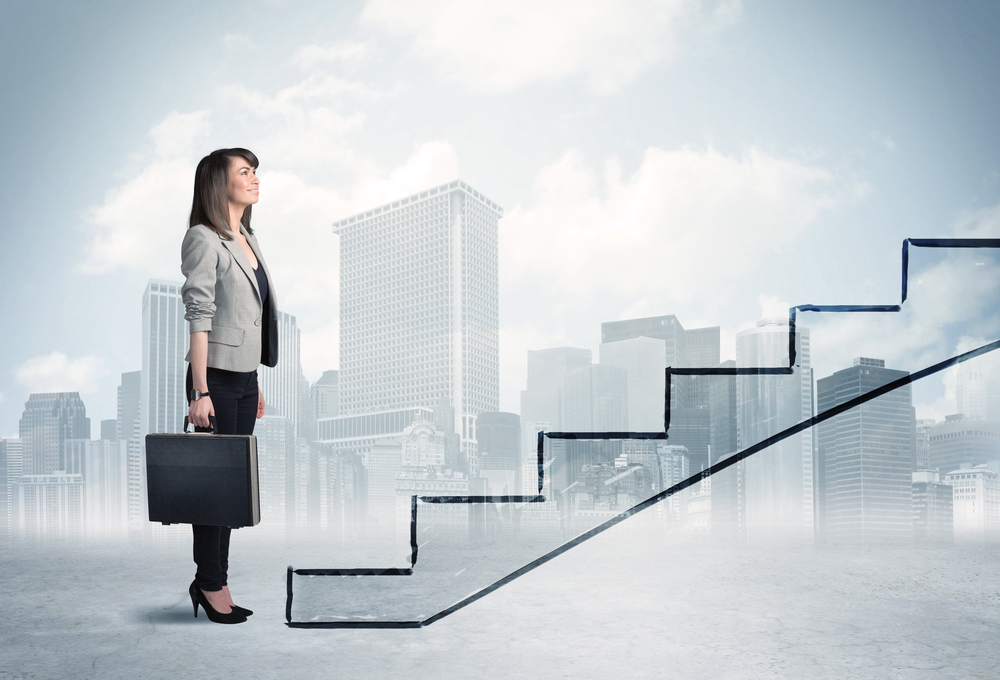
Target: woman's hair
x,y
211,185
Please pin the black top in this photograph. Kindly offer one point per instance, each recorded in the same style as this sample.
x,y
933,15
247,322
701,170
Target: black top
x,y
261,283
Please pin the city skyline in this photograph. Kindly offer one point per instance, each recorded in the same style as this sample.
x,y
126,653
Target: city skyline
x,y
74,463
751,192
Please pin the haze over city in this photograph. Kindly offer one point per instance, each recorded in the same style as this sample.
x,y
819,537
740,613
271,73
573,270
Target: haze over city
x,y
484,221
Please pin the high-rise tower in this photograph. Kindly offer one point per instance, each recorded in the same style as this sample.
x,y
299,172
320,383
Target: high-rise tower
x,y
164,344
693,348
49,419
865,457
778,482
280,384
419,306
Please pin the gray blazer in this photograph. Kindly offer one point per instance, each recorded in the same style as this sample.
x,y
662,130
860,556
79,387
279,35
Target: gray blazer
x,y
221,296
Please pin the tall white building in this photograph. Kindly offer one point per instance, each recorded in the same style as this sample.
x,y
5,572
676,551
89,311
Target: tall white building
x,y
419,306
778,481
162,404
275,467
280,384
975,502
972,391
12,457
48,506
103,464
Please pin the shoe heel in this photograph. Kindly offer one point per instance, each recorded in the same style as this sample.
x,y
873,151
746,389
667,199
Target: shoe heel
x,y
194,599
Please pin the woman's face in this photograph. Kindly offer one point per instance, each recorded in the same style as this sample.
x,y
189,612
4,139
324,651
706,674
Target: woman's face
x,y
244,186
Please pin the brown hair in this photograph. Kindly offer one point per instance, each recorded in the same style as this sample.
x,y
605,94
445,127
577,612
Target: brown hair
x,y
211,183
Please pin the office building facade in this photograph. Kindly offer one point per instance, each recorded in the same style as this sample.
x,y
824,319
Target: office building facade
x,y
280,384
932,508
48,507
865,457
48,421
543,399
961,441
165,337
644,359
975,503
776,485
419,306
694,348
325,395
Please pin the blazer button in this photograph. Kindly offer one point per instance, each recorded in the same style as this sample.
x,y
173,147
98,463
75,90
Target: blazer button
x,y
256,322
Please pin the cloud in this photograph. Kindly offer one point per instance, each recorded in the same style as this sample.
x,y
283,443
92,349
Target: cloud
x,y
885,141
951,307
144,218
237,42
346,52
55,372
983,223
947,299
431,163
771,306
686,222
688,232
499,46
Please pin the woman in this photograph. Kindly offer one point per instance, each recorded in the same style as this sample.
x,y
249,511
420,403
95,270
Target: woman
x,y
229,302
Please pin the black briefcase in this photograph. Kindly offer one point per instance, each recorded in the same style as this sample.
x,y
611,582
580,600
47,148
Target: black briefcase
x,y
202,478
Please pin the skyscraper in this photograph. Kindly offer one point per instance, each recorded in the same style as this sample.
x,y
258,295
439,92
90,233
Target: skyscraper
x,y
49,419
11,467
644,359
164,343
865,457
933,518
922,443
778,482
597,399
280,383
103,465
500,437
975,502
325,395
694,348
726,487
129,400
48,506
972,391
276,464
961,441
542,401
419,306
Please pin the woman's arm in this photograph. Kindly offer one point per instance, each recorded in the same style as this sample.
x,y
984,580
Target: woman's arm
x,y
198,264
199,411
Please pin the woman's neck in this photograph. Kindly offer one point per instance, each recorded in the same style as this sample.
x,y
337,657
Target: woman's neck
x,y
235,216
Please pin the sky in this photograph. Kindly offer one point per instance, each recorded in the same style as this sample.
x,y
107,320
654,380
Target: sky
x,y
715,160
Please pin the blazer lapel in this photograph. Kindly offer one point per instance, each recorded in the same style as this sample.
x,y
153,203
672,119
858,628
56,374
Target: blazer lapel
x,y
252,240
241,259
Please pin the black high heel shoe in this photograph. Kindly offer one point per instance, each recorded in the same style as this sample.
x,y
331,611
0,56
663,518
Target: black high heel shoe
x,y
198,598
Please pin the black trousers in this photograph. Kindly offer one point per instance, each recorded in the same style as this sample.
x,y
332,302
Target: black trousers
x,y
234,397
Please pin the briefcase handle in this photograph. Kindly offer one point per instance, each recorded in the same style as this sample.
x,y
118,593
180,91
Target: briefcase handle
x,y
211,419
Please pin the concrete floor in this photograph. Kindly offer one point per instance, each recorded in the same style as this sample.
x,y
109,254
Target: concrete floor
x,y
628,604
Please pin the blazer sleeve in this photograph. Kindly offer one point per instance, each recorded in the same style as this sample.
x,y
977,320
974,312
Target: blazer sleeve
x,y
199,261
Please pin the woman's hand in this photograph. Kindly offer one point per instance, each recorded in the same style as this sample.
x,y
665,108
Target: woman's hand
x,y
199,411
260,402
